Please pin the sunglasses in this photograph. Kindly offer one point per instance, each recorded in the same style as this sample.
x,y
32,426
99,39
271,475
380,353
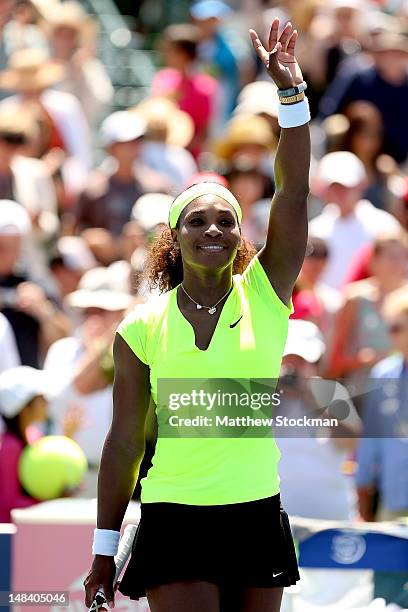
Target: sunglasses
x,y
13,139
396,328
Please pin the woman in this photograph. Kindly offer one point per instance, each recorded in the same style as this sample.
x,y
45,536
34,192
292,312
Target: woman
x,y
210,507
361,337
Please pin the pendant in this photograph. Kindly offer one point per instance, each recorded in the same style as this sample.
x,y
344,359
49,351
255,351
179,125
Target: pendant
x,y
211,310
198,306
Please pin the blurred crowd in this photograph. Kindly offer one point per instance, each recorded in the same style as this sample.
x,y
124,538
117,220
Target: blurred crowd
x,y
75,226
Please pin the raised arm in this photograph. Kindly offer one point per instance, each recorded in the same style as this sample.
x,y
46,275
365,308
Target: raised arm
x,y
121,458
283,253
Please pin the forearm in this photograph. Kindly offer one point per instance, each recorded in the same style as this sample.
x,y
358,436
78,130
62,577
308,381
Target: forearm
x,y
292,164
365,503
54,325
91,375
118,474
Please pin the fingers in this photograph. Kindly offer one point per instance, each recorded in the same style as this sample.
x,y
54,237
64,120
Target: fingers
x,y
292,42
259,48
273,34
109,595
286,35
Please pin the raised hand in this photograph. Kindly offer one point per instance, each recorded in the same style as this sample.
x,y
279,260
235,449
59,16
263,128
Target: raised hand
x,y
279,55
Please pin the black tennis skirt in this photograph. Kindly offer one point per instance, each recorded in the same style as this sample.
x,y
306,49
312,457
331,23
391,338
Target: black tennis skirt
x,y
247,544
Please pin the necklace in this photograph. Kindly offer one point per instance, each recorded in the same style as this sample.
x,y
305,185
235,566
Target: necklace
x,y
211,309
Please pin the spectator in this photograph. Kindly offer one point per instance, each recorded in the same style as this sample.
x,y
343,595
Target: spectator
x,y
24,30
22,403
112,190
27,181
169,131
346,219
361,338
193,91
247,136
224,54
70,260
37,322
9,357
313,459
310,289
386,80
383,451
100,303
71,36
32,75
254,189
365,138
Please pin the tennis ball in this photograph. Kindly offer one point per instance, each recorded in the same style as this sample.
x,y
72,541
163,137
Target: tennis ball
x,y
50,466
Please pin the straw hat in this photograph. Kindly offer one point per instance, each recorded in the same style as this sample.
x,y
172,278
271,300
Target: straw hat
x,y
391,41
70,14
30,69
244,130
166,121
15,120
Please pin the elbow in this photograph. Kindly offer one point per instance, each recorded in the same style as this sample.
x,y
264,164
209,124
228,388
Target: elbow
x,y
296,192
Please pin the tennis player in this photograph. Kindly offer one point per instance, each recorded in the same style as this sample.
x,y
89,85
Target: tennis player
x,y
213,535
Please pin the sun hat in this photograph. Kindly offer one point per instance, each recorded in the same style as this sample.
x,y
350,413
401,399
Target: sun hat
x,y
258,97
18,386
17,121
243,130
100,288
75,253
163,117
122,126
31,69
71,15
152,209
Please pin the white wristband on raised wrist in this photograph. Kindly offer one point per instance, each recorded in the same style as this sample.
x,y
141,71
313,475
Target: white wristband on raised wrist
x,y
105,542
293,115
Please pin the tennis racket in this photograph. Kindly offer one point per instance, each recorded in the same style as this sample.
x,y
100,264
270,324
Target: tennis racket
x,y
124,550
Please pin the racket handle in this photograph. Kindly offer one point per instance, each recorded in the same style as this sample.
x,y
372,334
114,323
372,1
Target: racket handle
x,y
124,550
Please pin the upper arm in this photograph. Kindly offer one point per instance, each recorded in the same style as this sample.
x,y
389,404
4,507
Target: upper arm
x,y
131,394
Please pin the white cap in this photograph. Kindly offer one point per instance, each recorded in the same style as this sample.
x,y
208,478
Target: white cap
x,y
75,253
341,167
258,97
151,209
122,126
14,219
101,288
304,339
18,386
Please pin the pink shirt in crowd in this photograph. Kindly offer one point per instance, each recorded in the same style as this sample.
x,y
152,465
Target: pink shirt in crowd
x,y
11,494
194,94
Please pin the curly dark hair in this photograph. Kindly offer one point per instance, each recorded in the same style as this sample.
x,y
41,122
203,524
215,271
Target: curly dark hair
x,y
164,269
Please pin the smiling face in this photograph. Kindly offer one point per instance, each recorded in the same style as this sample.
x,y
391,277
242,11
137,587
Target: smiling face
x,y
208,234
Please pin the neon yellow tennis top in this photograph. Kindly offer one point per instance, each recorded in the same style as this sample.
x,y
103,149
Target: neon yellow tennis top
x,y
212,471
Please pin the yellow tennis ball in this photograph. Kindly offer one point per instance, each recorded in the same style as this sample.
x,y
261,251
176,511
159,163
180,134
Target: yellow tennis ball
x,y
50,466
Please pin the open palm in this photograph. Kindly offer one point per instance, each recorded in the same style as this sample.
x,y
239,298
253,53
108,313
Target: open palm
x,y
279,55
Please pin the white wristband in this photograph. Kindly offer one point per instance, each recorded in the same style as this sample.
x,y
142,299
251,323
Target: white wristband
x,y
105,542
293,115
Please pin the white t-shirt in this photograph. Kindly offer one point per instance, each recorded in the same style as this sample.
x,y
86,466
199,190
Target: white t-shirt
x,y
61,363
345,236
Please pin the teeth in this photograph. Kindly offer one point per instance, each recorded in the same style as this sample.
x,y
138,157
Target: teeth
x,y
212,247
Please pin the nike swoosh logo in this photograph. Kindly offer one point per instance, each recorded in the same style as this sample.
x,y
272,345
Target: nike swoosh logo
x,y
275,575
236,322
